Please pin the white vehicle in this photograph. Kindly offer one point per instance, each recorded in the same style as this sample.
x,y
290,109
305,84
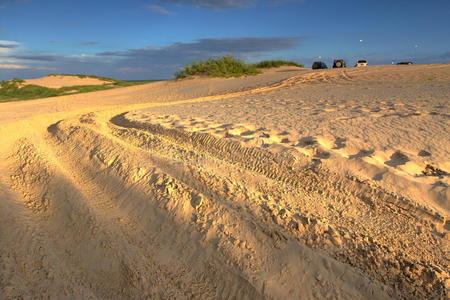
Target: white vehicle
x,y
361,63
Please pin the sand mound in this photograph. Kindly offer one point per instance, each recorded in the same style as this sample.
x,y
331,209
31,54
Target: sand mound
x,y
58,81
269,187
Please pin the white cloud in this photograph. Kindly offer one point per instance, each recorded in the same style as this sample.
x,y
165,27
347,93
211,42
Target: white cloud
x,y
8,47
13,67
8,60
8,44
160,10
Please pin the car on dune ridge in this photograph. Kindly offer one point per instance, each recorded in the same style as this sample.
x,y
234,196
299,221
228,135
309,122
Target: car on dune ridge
x,y
339,63
319,65
361,63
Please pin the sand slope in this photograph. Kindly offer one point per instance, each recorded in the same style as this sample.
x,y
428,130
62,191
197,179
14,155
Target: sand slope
x,y
228,189
58,81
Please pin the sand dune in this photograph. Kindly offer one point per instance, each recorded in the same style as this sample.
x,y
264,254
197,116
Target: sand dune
x,y
287,185
58,81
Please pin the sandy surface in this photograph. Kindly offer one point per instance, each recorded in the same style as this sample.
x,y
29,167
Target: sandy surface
x,y
293,184
161,92
58,81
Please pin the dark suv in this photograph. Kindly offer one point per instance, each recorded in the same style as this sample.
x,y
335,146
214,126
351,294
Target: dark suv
x,y
319,65
339,63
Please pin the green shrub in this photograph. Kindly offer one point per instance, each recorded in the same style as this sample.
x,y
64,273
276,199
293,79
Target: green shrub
x,y
276,63
226,66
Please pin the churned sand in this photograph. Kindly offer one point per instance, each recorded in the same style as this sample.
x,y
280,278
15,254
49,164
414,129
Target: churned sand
x,y
58,81
292,184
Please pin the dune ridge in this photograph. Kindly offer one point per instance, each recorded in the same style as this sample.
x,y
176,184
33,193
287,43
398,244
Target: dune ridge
x,y
58,81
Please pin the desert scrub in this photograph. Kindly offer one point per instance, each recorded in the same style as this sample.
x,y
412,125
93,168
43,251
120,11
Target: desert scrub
x,y
227,66
276,63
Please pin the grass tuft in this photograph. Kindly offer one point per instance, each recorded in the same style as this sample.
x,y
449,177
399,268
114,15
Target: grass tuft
x,y
83,76
11,90
276,63
227,66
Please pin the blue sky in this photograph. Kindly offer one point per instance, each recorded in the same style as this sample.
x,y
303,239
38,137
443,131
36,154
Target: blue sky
x,y
151,39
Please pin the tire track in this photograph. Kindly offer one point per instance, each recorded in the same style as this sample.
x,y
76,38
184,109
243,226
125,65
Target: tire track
x,y
228,248
310,180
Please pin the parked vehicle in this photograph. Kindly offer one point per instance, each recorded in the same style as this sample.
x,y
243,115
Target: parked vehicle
x,y
319,65
361,63
405,63
339,63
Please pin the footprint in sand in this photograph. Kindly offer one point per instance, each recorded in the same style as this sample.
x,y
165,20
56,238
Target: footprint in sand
x,y
361,153
307,141
248,133
331,142
322,154
339,143
379,176
397,159
423,153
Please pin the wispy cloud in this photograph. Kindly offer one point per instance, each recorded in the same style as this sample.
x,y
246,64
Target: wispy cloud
x,y
160,10
13,67
227,4
438,58
213,4
89,43
8,44
132,69
281,2
3,3
37,57
445,56
13,1
8,47
212,47
166,60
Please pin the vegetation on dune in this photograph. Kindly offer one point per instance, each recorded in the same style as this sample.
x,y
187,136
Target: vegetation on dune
x,y
84,76
15,89
227,66
12,90
276,63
